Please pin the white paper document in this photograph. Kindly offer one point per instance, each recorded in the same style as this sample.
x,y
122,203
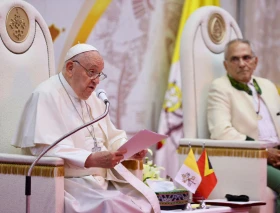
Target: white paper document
x,y
140,141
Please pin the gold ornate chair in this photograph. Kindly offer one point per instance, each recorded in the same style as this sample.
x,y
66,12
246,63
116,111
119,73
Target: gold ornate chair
x,y
27,58
240,166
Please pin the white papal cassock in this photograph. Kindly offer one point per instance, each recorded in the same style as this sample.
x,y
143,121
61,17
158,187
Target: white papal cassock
x,y
48,115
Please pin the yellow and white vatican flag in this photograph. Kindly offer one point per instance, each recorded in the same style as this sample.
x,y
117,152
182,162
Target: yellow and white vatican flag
x,y
189,175
171,117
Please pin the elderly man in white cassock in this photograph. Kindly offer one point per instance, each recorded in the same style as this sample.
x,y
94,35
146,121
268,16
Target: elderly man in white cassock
x,y
94,179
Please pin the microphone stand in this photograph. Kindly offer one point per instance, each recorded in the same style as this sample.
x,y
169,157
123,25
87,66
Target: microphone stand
x,y
28,177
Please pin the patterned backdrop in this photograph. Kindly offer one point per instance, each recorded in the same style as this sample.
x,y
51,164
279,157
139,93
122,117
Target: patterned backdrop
x,y
136,39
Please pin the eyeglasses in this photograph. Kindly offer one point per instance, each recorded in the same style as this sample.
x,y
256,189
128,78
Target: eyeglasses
x,y
245,58
92,74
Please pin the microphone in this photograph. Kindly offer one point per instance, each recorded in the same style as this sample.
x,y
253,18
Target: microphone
x,y
102,96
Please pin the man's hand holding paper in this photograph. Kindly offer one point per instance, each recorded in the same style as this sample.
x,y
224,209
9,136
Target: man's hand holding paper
x,y
137,145
139,155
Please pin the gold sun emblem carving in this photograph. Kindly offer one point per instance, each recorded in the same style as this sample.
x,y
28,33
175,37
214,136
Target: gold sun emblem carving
x,y
17,24
216,28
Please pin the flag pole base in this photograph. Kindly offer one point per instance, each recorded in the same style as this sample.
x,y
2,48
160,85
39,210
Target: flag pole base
x,y
189,207
202,205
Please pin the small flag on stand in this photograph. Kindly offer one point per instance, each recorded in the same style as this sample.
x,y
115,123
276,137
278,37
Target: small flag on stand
x,y
208,176
188,176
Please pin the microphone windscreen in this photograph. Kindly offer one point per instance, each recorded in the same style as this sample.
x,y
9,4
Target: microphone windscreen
x,y
102,95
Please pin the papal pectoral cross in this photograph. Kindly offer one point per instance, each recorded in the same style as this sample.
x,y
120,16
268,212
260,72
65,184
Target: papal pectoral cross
x,y
95,147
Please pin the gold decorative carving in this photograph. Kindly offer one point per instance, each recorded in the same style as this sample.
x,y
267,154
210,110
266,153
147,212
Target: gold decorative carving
x,y
17,24
225,151
216,28
39,170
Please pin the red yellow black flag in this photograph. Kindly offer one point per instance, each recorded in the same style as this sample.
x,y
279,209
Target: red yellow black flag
x,y
208,176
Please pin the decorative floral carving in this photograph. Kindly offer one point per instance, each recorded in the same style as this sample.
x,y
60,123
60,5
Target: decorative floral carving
x,y
125,41
17,24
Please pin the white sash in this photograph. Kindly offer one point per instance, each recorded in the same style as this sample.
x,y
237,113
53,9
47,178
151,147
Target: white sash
x,y
140,186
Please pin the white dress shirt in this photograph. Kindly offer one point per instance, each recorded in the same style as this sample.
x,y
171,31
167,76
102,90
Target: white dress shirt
x,y
267,131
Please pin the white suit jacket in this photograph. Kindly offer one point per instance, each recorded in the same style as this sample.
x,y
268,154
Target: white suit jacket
x,y
231,114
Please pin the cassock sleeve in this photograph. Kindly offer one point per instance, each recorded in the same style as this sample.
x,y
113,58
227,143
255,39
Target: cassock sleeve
x,y
73,157
116,137
42,124
41,121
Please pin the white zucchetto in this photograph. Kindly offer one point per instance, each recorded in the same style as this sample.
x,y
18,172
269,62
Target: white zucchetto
x,y
77,49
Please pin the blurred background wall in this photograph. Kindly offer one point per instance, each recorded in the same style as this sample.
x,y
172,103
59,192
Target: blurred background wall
x,y
137,38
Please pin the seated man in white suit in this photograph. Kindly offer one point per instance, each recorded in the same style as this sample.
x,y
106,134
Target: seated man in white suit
x,y
94,179
245,107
